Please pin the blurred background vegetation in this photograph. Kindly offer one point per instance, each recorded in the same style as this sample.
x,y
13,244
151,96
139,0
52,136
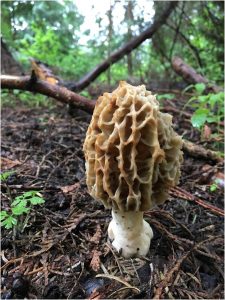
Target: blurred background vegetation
x,y
57,33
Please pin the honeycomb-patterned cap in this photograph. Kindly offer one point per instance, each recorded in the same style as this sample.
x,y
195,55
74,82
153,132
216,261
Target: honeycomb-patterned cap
x,y
132,153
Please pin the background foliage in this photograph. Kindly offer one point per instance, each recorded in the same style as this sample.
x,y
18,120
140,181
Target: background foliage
x,y
50,31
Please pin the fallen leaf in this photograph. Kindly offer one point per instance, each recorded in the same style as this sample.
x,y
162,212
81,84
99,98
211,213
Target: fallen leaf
x,y
207,132
7,164
97,236
69,188
95,262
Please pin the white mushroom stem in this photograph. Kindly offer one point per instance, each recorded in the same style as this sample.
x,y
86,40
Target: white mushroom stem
x,y
130,233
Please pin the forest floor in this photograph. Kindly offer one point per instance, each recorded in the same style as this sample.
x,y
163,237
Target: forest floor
x,y
61,250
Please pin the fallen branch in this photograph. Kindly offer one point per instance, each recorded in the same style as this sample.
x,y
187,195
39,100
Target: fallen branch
x,y
170,109
181,193
32,84
199,151
126,49
190,75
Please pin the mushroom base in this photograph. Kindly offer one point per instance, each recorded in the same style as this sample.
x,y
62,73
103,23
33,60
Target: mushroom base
x,y
130,233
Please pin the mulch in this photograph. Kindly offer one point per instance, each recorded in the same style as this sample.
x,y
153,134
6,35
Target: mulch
x,y
61,250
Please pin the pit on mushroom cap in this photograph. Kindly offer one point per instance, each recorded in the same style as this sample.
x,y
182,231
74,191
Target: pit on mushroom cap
x,y
132,157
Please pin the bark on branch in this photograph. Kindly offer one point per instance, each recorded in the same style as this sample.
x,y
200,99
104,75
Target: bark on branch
x,y
199,151
190,75
32,84
126,49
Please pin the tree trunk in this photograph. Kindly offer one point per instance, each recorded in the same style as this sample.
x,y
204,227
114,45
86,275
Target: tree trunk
x,y
110,32
129,19
8,64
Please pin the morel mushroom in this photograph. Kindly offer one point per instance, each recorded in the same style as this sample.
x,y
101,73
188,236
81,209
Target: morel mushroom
x,y
133,157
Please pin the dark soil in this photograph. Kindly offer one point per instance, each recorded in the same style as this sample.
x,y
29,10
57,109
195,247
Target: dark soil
x,y
59,249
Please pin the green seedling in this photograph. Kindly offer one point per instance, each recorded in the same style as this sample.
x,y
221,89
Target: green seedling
x,y
21,205
165,96
4,176
215,185
209,108
198,87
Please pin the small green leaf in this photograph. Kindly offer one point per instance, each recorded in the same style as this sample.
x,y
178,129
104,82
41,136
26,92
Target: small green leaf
x,y
29,194
4,176
203,99
16,201
165,96
200,87
9,222
213,119
36,200
3,215
213,187
20,209
213,99
199,117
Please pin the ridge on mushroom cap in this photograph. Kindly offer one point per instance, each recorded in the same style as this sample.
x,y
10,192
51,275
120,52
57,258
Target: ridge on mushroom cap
x,y
132,153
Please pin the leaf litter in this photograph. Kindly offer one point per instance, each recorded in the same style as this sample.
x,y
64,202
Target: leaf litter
x,y
63,251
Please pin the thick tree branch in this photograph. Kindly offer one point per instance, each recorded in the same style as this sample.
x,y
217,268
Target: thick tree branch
x,y
190,75
199,151
32,84
27,83
126,49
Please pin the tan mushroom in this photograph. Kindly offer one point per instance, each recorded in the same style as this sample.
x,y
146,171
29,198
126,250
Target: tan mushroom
x,y
133,157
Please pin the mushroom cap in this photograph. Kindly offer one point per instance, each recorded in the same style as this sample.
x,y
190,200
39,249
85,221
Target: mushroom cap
x,y
132,153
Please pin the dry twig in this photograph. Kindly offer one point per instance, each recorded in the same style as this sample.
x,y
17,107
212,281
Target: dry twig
x,y
179,192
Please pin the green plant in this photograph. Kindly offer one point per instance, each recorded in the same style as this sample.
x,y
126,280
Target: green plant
x,y
10,98
4,176
199,88
209,108
20,205
215,185
165,96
